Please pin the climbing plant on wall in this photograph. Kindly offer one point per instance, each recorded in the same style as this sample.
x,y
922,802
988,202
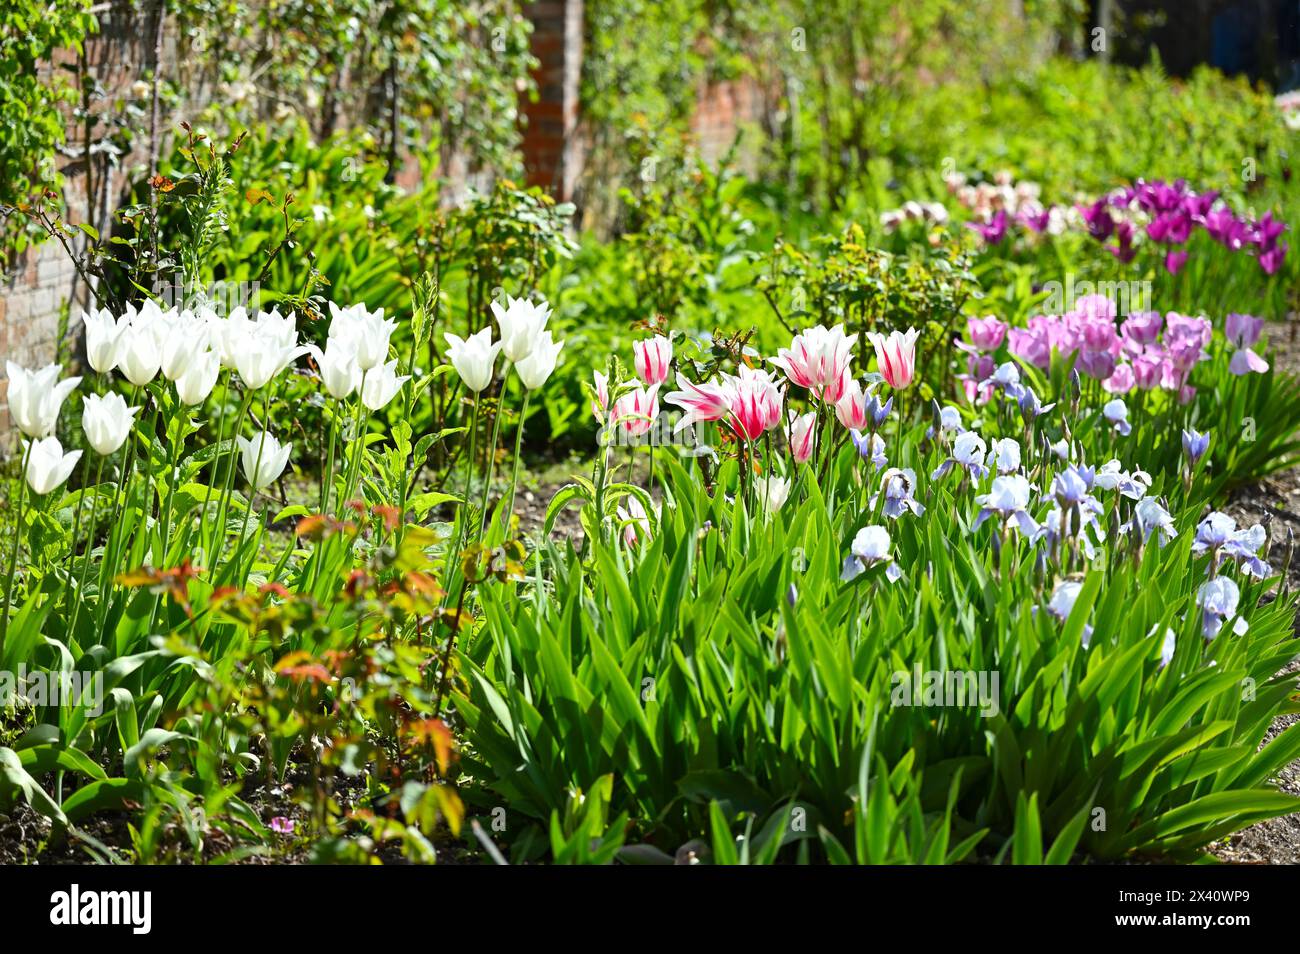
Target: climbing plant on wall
x,y
31,100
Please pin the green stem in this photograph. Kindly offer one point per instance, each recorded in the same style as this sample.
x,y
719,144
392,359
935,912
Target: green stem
x,y
252,490
178,445
119,527
354,468
148,471
223,505
207,493
463,518
13,556
491,460
519,439
451,647
90,542
327,484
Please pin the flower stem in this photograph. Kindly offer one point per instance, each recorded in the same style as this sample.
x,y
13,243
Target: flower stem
x,y
13,555
327,485
462,519
207,493
514,480
85,560
219,531
252,489
491,459
76,531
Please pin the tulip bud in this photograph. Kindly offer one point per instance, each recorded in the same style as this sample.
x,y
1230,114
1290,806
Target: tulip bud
x,y
652,359
896,356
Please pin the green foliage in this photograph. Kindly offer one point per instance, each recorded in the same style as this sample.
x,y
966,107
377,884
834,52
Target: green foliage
x,y
400,70
682,668
32,102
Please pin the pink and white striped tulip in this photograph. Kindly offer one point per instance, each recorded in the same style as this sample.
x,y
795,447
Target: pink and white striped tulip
x,y
755,403
652,359
852,408
709,401
636,411
818,359
600,409
896,356
803,436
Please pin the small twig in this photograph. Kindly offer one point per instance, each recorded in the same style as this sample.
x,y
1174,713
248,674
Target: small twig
x,y
493,851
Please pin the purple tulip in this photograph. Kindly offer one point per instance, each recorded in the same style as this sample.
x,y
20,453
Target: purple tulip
x,y
1101,224
1124,249
994,230
1271,260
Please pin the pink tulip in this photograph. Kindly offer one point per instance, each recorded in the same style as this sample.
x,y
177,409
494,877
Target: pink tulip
x,y
701,402
852,407
633,517
1121,380
986,334
601,408
637,410
652,359
755,403
834,390
803,434
817,359
896,356
1147,370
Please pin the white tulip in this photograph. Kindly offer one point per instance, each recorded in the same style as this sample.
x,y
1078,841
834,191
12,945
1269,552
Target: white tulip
x,y
473,358
139,356
194,386
262,357
103,335
187,339
339,371
47,466
367,333
381,385
537,366
263,458
226,334
772,492
107,421
521,323
279,329
35,397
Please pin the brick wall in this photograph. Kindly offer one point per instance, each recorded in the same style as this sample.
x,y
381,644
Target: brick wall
x,y
552,152
721,109
42,286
